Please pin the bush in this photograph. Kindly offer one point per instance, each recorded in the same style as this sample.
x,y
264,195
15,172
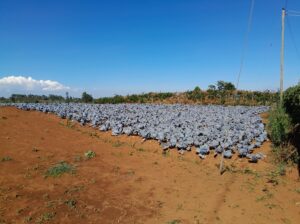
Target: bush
x,y
291,103
279,125
195,95
59,169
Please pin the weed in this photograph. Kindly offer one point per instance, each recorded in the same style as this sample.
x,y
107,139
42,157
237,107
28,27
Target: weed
x,y
117,144
279,125
140,149
28,219
77,158
19,211
74,189
45,217
89,154
175,221
166,153
50,204
71,203
281,169
59,169
160,204
285,220
46,196
116,169
179,207
270,206
273,175
94,134
70,124
248,171
6,158
34,149
118,154
268,195
130,172
92,181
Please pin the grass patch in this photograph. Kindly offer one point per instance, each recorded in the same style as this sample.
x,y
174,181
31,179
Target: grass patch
x,y
268,195
59,169
6,158
89,154
46,217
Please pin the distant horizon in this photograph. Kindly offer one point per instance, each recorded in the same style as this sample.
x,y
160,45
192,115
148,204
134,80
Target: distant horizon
x,y
79,93
122,47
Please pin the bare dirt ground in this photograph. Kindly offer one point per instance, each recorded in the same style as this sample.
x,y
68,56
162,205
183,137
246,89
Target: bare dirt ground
x,y
129,181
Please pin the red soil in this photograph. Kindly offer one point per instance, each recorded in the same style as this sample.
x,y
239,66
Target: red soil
x,y
129,181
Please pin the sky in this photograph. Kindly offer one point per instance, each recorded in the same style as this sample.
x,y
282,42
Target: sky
x,y
113,47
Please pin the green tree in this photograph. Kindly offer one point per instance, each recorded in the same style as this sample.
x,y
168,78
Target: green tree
x,y
86,98
225,86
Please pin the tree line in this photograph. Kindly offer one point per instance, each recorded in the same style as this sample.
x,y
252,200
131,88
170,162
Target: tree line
x,y
222,92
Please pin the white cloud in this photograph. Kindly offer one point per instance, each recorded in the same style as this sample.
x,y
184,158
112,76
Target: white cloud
x,y
27,84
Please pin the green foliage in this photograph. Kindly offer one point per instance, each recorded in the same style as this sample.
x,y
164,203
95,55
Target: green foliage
x,y
71,203
279,125
291,103
90,154
195,95
225,86
59,169
6,158
222,93
86,98
135,98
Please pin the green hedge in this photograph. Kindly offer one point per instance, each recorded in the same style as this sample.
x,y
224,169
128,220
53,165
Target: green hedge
x,y
291,103
279,125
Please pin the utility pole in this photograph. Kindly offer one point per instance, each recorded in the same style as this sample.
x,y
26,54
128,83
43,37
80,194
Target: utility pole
x,y
282,54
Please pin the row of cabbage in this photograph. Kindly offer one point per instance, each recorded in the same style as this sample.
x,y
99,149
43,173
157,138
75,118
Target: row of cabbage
x,y
223,129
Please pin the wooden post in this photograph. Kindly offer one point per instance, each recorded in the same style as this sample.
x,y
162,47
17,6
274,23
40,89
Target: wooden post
x,y
282,54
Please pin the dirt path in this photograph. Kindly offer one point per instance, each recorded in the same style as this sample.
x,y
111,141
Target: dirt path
x,y
129,181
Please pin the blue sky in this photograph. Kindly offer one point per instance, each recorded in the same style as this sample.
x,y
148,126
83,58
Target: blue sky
x,y
133,46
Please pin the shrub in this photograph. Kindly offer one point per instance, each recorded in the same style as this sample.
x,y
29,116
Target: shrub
x,y
195,95
291,103
59,169
90,154
279,125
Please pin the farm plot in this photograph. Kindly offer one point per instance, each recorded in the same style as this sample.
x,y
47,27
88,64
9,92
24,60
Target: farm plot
x,y
222,129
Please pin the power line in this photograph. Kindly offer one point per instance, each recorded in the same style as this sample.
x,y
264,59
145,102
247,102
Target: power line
x,y
293,38
245,43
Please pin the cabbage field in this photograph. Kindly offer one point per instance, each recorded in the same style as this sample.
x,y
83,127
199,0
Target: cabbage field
x,y
222,129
